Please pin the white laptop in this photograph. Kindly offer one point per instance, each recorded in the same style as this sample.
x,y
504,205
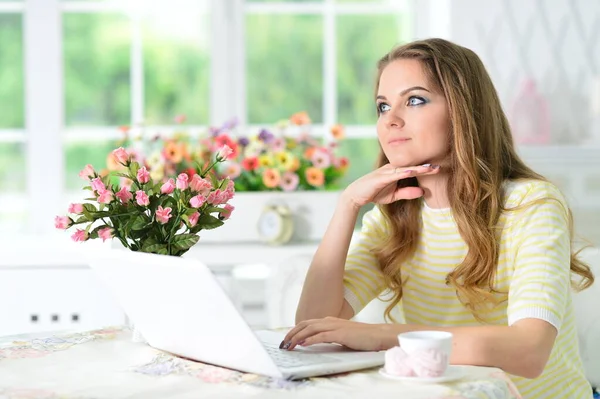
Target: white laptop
x,y
179,307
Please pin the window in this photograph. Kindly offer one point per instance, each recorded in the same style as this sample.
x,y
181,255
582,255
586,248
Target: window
x,y
97,65
140,66
320,57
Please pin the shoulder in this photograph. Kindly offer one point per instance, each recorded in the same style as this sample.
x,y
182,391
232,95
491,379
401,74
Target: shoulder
x,y
529,200
524,192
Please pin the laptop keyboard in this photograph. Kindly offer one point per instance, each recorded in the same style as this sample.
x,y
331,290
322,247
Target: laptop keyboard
x,y
284,358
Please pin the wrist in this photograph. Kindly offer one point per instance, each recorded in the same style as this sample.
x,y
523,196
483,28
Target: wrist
x,y
347,203
388,336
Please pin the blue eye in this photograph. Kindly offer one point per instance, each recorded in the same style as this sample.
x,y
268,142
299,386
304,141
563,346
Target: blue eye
x,y
382,107
415,100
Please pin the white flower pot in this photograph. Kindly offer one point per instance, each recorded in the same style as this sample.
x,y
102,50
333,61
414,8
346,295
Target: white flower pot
x,y
311,213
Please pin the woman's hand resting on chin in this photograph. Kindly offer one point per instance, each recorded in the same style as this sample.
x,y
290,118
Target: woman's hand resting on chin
x,y
352,334
380,186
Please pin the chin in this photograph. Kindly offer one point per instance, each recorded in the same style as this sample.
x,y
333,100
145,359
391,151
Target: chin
x,y
402,162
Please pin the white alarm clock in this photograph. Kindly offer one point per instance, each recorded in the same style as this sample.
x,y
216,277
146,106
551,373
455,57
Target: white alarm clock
x,y
275,224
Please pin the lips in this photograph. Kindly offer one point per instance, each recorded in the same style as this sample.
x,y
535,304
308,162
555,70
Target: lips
x,y
398,140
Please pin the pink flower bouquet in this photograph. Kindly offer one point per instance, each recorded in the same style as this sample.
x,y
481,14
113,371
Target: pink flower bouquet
x,y
160,217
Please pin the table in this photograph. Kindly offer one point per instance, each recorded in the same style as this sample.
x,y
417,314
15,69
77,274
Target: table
x,y
106,363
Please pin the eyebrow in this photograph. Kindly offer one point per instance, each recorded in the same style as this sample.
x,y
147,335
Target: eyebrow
x,y
403,92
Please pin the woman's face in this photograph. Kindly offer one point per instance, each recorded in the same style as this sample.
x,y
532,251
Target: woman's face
x,y
413,126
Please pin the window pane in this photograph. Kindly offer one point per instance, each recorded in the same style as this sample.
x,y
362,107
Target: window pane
x,y
285,74
177,65
362,40
11,71
96,63
81,153
13,170
362,153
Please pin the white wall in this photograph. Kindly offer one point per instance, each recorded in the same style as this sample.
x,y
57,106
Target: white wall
x,y
554,43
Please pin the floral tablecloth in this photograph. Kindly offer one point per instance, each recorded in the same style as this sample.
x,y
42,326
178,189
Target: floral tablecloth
x,y
107,364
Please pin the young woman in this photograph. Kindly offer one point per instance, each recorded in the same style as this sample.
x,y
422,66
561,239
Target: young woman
x,y
467,238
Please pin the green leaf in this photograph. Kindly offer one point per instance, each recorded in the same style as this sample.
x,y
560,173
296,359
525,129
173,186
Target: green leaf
x,y
133,168
138,234
185,241
139,223
211,209
170,202
90,208
152,246
103,214
94,233
128,225
209,222
82,219
154,203
190,211
89,211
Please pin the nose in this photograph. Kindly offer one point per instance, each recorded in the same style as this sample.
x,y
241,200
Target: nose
x,y
394,119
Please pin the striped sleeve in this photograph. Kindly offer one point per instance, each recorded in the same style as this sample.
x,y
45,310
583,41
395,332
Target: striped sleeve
x,y
542,251
363,280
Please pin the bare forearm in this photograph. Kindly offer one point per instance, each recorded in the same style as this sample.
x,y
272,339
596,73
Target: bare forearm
x,y
323,290
512,349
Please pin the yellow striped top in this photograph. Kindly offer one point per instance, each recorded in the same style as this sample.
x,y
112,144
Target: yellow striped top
x,y
533,269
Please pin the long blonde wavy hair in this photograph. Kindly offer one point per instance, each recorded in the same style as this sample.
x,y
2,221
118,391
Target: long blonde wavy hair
x,y
482,149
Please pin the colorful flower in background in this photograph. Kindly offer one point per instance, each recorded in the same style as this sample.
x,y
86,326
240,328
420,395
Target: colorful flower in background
x,y
286,157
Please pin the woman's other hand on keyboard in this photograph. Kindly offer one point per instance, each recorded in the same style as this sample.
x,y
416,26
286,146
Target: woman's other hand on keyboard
x,y
352,334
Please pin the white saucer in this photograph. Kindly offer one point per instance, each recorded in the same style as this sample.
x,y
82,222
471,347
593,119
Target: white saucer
x,y
452,373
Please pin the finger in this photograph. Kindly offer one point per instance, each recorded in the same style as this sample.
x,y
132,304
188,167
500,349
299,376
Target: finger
x,y
320,337
325,337
408,193
385,180
295,330
309,331
301,335
390,169
390,177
